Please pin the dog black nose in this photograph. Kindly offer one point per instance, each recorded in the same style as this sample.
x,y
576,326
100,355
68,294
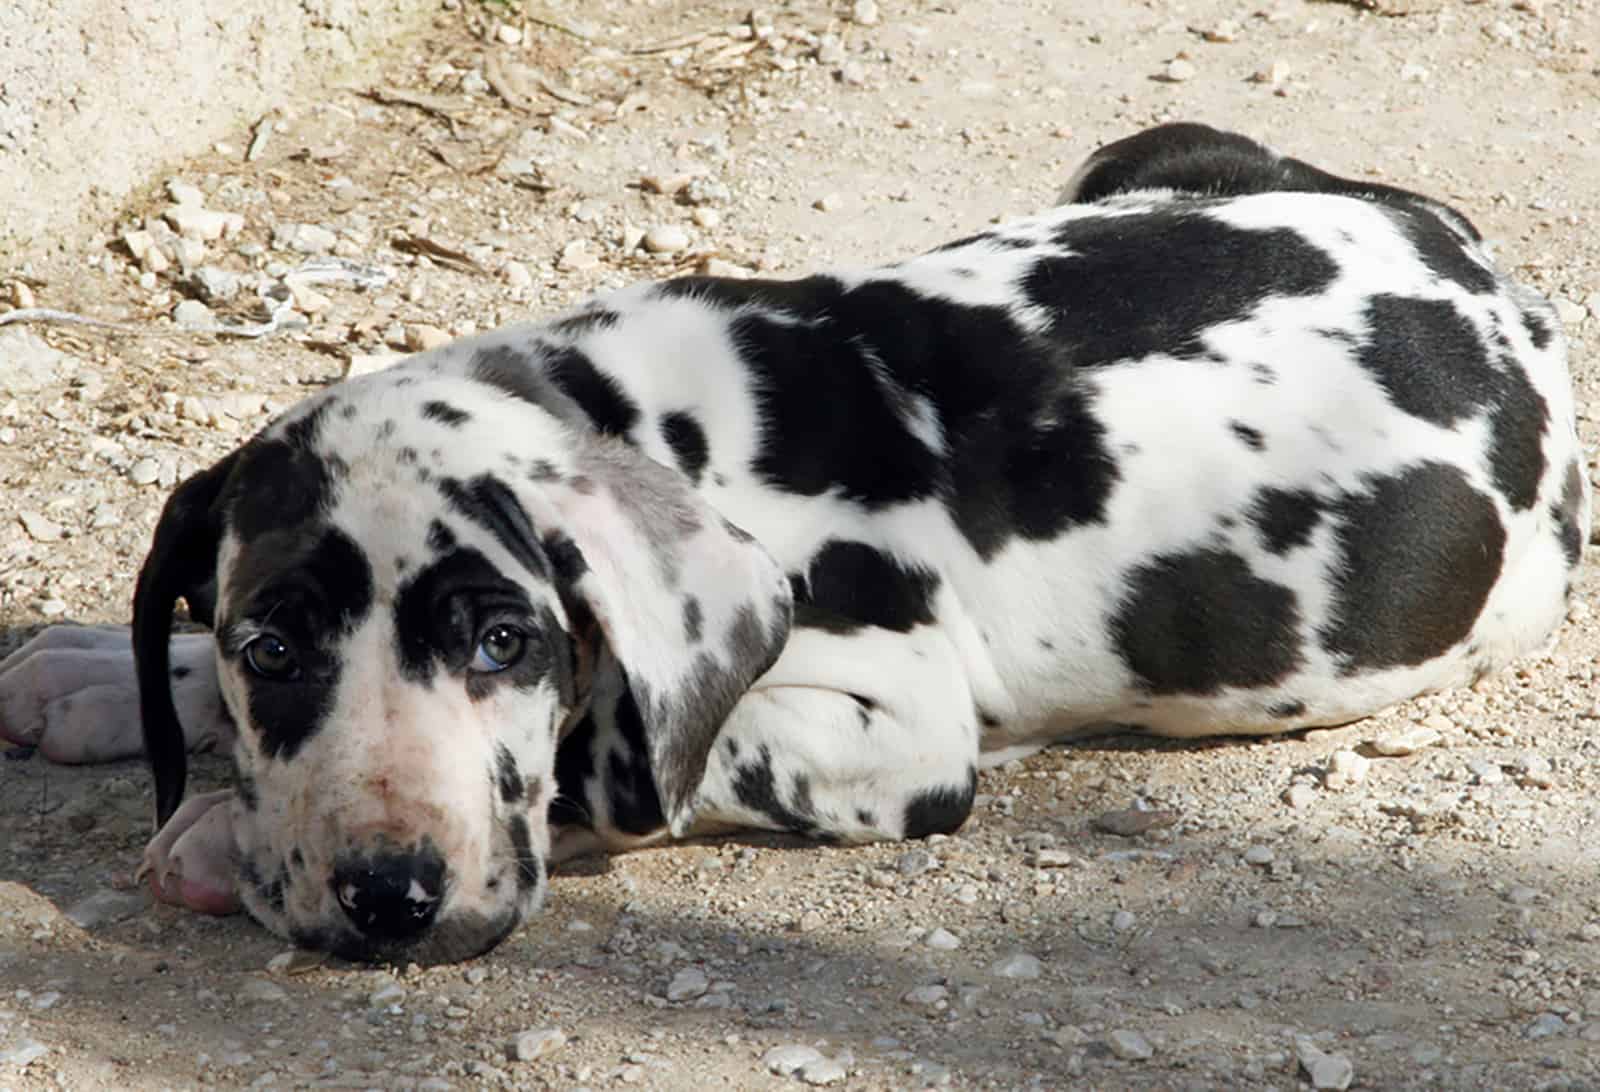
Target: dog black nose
x,y
391,895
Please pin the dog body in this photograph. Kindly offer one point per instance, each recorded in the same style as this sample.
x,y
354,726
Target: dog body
x,y
1224,445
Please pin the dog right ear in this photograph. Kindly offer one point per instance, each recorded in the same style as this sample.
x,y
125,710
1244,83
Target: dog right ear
x,y
182,562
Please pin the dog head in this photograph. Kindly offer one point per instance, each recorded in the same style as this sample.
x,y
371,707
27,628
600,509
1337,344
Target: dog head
x,y
411,578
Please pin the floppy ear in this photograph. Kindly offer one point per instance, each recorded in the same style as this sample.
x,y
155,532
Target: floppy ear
x,y
182,562
693,608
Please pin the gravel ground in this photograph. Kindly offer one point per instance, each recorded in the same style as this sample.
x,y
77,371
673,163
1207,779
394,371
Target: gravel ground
x,y
1409,902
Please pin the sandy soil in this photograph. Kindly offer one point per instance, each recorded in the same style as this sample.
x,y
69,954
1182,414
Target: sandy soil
x,y
1427,920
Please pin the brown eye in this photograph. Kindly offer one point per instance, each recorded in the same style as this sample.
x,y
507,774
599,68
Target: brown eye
x,y
269,657
500,647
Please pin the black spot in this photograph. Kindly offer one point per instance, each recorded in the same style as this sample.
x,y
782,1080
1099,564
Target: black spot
x,y
1283,710
1419,553
1047,644
543,470
1442,250
586,321
491,504
866,818
524,859
692,619
854,582
632,798
445,413
311,592
940,810
297,859
268,891
756,788
1539,331
507,776
275,485
440,537
1251,436
1155,283
987,719
687,440
1198,622
1284,518
1433,365
348,411
181,672
599,396
1567,513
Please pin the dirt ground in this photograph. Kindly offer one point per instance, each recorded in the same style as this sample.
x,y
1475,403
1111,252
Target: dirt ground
x,y
1287,912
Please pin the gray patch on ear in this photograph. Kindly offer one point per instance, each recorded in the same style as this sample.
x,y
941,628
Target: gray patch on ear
x,y
655,498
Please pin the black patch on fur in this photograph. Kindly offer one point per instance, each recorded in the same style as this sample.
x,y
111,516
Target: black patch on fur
x,y
631,794
586,321
180,672
1284,518
756,787
268,891
687,439
940,810
524,859
244,785
445,413
601,397
1538,328
863,586
1432,364
1566,511
277,484
1419,553
491,504
1197,622
1192,273
693,619
440,537
311,595
1283,710
1251,437
507,776
1441,249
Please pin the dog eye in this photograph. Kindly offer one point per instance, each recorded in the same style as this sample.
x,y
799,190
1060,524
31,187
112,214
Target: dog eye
x,y
500,647
270,658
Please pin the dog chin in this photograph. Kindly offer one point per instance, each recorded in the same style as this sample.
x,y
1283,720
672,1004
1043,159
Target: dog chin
x,y
457,938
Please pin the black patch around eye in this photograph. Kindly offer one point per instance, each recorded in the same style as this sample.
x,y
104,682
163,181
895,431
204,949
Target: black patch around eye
x,y
491,504
1197,622
600,396
1251,436
859,585
507,776
683,434
315,595
445,413
1419,552
940,810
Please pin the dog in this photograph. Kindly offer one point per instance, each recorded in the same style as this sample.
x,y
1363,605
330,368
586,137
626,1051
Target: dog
x,y
1224,444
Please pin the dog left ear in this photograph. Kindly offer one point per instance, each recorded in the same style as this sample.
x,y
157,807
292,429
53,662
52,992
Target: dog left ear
x,y
693,608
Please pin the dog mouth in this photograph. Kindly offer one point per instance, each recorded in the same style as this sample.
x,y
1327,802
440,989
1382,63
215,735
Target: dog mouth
x,y
461,937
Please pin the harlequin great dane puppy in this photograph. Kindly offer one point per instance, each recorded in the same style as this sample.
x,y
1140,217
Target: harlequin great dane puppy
x,y
1224,445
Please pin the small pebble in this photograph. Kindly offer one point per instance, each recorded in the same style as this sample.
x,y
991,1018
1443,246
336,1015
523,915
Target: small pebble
x,y
926,996
687,984
1259,855
144,471
1406,741
40,527
517,276
1178,70
942,940
913,862
1123,920
193,315
784,1060
1545,1025
1130,1046
865,12
420,337
828,202
536,1043
666,239
1326,1071
1346,769
1299,795
1132,822
823,1071
1017,965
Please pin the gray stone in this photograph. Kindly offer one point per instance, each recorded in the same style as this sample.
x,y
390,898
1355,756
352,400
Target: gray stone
x,y
784,1060
536,1043
29,363
1130,1046
1017,965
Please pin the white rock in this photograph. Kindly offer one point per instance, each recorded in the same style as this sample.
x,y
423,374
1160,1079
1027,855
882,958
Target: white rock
x,y
536,1043
1535,771
1326,1071
307,300
1299,795
784,1060
706,217
193,408
420,337
577,256
1405,741
516,276
942,940
1017,965
865,12
666,239
1123,920
688,984
139,243
1179,70
303,238
24,1054
40,527
1571,312
204,225
1128,1045
193,315
144,471
1346,769
261,990
213,285
367,363
1259,856
823,1071
27,363
926,996
184,193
